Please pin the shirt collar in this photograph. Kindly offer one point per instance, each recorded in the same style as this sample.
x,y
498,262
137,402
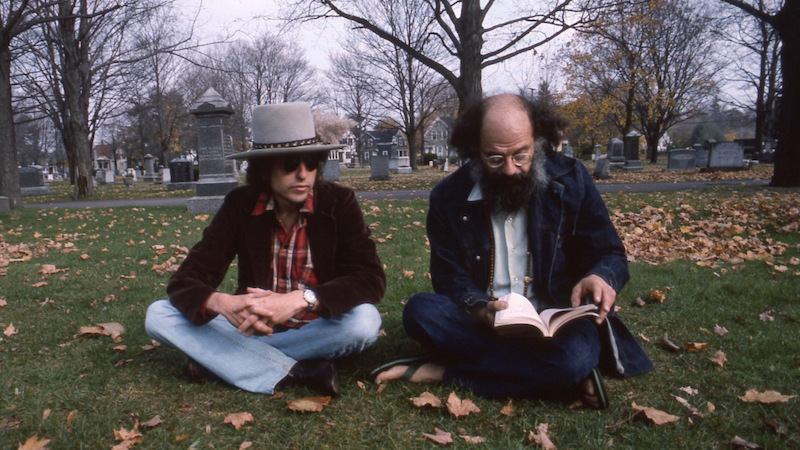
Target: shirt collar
x,y
262,204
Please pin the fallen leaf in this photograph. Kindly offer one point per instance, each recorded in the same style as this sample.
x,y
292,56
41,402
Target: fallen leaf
x,y
766,317
472,439
128,438
669,345
689,390
48,269
696,347
308,404
426,399
238,419
10,330
440,437
39,284
408,274
658,295
719,359
3,302
654,415
777,427
721,331
460,408
33,443
765,397
245,445
692,409
45,414
738,442
112,329
361,385
541,438
639,302
507,410
154,422
710,407
71,416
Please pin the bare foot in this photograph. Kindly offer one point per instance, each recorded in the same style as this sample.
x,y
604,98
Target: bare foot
x,y
426,373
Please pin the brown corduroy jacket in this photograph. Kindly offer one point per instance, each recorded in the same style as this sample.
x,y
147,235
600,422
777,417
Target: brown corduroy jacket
x,y
345,259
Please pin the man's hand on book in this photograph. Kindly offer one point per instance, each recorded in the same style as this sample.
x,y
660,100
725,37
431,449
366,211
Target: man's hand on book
x,y
599,291
484,312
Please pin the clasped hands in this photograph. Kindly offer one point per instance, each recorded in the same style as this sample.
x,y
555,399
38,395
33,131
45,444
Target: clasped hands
x,y
592,287
258,311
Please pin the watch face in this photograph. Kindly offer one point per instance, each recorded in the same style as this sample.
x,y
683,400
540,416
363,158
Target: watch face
x,y
309,296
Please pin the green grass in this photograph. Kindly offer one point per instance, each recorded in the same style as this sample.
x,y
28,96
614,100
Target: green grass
x,y
48,366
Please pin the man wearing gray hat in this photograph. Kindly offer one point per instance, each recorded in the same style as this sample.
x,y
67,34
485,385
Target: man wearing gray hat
x,y
308,273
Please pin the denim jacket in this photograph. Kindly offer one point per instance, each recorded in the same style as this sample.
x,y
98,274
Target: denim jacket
x,y
570,236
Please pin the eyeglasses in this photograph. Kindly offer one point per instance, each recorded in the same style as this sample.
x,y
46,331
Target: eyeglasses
x,y
311,161
497,161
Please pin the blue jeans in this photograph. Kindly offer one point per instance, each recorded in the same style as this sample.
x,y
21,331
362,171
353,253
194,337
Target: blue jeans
x,y
495,366
258,363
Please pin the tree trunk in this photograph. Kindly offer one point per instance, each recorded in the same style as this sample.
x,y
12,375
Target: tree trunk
x,y
652,147
787,153
9,177
470,30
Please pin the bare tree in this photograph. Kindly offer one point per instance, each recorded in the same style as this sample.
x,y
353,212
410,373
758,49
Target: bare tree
x,y
755,68
16,18
353,90
784,19
474,37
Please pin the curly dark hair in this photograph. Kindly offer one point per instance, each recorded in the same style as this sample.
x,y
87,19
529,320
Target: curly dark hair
x,y
546,123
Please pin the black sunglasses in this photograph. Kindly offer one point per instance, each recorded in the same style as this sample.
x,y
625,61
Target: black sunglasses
x,y
312,161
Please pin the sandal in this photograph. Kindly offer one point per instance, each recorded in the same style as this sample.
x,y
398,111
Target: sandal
x,y
598,398
413,363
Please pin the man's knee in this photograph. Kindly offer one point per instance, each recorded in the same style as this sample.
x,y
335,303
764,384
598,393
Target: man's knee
x,y
364,323
154,321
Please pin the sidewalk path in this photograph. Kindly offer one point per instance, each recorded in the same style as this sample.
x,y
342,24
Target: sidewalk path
x,y
403,194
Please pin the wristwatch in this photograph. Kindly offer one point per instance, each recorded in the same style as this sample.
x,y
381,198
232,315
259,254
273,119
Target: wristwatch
x,y
311,298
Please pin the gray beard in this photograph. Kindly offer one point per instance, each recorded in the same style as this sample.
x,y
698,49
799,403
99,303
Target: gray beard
x,y
508,194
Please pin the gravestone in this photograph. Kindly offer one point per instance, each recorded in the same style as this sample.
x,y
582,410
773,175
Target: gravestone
x,y
379,167
726,155
331,170
217,174
108,176
632,161
598,152
181,175
5,207
767,153
701,161
602,171
682,159
31,181
149,168
615,153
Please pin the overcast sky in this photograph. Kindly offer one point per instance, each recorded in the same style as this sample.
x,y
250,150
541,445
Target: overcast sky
x,y
318,38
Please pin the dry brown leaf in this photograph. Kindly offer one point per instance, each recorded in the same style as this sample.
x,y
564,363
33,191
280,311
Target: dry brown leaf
x,y
472,439
154,422
654,415
692,409
689,390
766,317
308,404
738,442
658,295
361,385
10,330
112,329
71,416
507,410
34,443
426,399
3,302
710,407
541,438
128,438
48,269
719,359
721,331
668,344
238,419
440,437
765,397
696,347
381,387
460,408
245,445
39,284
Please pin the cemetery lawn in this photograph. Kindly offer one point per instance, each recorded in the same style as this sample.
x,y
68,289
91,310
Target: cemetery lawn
x,y
422,179
717,272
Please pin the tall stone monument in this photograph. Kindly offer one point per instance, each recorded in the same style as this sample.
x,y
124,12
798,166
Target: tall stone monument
x,y
631,144
217,175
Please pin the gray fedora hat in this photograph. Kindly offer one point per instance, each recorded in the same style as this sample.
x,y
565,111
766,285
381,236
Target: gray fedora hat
x,y
283,129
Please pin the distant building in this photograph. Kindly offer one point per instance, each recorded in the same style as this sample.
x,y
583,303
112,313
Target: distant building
x,y
437,137
106,157
391,142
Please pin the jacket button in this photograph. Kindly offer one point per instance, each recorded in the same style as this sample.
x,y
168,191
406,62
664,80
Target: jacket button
x,y
478,258
464,218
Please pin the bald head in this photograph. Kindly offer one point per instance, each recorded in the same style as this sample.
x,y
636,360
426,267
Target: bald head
x,y
506,132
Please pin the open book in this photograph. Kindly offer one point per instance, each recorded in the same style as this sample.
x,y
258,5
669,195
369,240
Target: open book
x,y
521,318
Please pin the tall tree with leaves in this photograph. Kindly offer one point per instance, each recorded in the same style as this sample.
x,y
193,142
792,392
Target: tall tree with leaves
x,y
784,19
474,36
